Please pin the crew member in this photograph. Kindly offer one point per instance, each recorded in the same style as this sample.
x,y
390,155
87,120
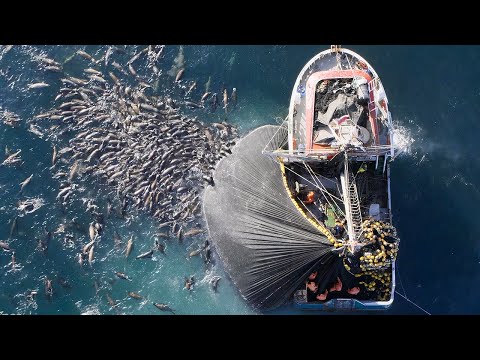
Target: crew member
x,y
354,291
339,228
310,198
322,296
311,290
313,275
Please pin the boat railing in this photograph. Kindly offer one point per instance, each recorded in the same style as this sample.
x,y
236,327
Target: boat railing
x,y
374,106
370,153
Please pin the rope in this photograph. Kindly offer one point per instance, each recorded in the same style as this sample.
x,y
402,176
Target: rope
x,y
337,210
310,182
411,302
405,296
400,278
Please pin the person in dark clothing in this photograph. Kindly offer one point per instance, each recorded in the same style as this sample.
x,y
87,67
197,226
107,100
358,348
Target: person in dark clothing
x,y
311,291
339,228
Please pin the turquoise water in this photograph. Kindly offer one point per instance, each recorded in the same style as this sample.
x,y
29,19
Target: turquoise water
x,y
434,97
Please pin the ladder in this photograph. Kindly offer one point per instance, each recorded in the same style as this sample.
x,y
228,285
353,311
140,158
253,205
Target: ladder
x,y
353,213
356,213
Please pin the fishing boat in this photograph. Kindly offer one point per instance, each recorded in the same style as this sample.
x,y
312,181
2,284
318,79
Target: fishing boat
x,y
337,170
309,217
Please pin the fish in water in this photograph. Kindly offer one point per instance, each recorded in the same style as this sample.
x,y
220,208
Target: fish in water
x,y
179,75
24,183
163,307
147,254
129,247
135,295
122,276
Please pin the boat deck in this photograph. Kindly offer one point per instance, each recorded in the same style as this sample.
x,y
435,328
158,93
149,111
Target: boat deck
x,y
360,93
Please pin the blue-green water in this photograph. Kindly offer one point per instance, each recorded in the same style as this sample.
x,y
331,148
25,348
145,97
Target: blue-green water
x,y
434,96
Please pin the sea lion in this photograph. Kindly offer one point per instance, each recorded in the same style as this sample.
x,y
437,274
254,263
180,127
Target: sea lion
x,y
24,183
54,156
163,307
134,295
111,302
14,226
195,252
205,96
214,282
87,247
234,97
48,289
90,255
85,55
39,85
160,247
129,247
225,100
179,75
122,276
4,246
92,232
147,254
193,232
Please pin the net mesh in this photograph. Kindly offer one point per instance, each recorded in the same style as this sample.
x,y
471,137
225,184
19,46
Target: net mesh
x,y
268,247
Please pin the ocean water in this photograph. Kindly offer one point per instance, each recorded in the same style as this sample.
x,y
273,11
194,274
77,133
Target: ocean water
x,y
434,94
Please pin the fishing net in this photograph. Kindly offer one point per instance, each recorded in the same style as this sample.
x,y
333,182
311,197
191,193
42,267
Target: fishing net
x,y
268,247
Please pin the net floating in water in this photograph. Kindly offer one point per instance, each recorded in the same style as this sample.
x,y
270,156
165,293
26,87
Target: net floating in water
x,y
268,247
